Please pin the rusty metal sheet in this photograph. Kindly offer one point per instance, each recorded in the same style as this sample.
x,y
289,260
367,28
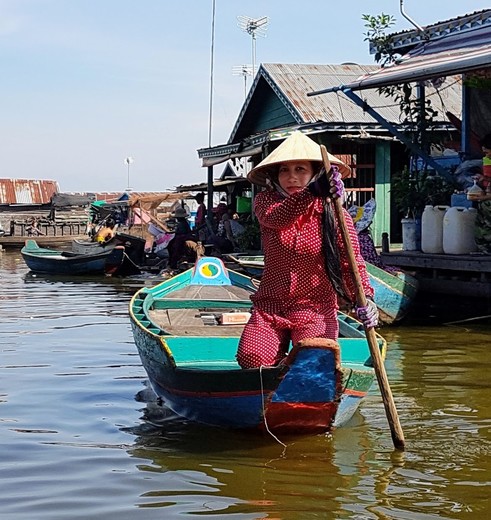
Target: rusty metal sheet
x,y
27,191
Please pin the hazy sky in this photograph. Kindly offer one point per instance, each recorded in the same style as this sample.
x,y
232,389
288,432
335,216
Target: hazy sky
x,y
87,83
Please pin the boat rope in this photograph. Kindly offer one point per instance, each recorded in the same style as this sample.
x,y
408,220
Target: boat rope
x,y
264,409
468,319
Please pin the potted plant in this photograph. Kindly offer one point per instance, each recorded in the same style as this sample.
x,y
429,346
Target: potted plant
x,y
411,191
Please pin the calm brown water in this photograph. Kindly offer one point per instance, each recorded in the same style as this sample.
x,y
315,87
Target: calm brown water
x,y
82,438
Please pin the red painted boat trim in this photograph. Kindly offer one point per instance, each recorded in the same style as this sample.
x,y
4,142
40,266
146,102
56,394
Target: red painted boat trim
x,y
300,416
354,393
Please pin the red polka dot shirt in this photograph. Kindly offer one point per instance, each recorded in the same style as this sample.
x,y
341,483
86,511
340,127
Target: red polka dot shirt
x,y
294,271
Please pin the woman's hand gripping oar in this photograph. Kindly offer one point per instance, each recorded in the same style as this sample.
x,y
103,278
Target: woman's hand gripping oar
x,y
361,301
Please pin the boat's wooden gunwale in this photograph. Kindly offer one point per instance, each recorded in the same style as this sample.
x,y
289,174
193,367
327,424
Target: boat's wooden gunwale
x,y
183,303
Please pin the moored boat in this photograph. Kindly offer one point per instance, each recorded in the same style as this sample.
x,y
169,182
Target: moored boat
x,y
53,261
393,293
186,330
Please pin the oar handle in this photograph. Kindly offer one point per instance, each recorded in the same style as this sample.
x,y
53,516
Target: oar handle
x,y
361,300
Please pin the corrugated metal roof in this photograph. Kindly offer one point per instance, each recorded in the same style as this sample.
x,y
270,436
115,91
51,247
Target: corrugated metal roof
x,y
402,41
330,113
27,191
455,54
295,81
292,82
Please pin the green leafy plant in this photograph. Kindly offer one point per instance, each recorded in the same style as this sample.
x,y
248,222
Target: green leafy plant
x,y
376,28
250,239
411,191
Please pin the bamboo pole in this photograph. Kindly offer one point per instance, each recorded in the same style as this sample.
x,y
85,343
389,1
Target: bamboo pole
x,y
361,300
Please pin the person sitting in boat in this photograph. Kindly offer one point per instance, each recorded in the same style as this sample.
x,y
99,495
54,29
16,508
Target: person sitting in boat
x,y
184,244
228,232
106,232
363,217
220,210
306,266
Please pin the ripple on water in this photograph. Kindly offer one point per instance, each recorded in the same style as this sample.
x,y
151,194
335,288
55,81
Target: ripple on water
x,y
82,436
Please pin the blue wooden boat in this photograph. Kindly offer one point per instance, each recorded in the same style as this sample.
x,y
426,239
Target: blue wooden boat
x,y
393,293
189,356
52,261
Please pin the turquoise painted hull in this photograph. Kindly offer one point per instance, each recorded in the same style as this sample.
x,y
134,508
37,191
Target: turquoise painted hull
x,y
394,293
197,376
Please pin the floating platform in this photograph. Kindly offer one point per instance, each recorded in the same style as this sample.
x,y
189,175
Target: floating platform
x,y
19,241
464,275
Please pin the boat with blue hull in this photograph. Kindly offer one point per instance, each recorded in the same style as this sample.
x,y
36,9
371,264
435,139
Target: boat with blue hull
x,y
53,261
187,329
394,293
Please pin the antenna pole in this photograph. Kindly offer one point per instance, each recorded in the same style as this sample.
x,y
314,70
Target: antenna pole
x,y
253,55
212,53
253,27
128,161
243,70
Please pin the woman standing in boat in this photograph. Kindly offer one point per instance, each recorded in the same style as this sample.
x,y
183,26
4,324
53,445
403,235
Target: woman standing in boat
x,y
305,263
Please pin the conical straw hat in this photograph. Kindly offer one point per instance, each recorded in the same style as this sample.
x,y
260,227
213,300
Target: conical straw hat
x,y
297,147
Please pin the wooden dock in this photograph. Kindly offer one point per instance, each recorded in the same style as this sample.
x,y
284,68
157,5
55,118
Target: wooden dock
x,y
464,275
57,242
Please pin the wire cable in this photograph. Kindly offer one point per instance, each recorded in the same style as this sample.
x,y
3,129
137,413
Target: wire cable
x,y
264,409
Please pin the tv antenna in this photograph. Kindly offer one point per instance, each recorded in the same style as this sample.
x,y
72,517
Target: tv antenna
x,y
243,70
254,27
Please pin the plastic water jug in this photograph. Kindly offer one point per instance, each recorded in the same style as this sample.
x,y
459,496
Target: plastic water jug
x,y
458,231
432,229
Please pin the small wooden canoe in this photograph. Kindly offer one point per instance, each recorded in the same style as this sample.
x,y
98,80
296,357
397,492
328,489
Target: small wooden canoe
x,y
53,261
393,293
189,356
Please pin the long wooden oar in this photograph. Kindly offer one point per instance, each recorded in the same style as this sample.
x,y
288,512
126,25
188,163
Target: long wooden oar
x,y
361,300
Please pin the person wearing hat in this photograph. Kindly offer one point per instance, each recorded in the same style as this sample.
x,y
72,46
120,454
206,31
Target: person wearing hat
x,y
305,263
184,242
362,218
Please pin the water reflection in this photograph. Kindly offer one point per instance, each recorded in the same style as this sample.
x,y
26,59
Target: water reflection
x,y
246,474
82,437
